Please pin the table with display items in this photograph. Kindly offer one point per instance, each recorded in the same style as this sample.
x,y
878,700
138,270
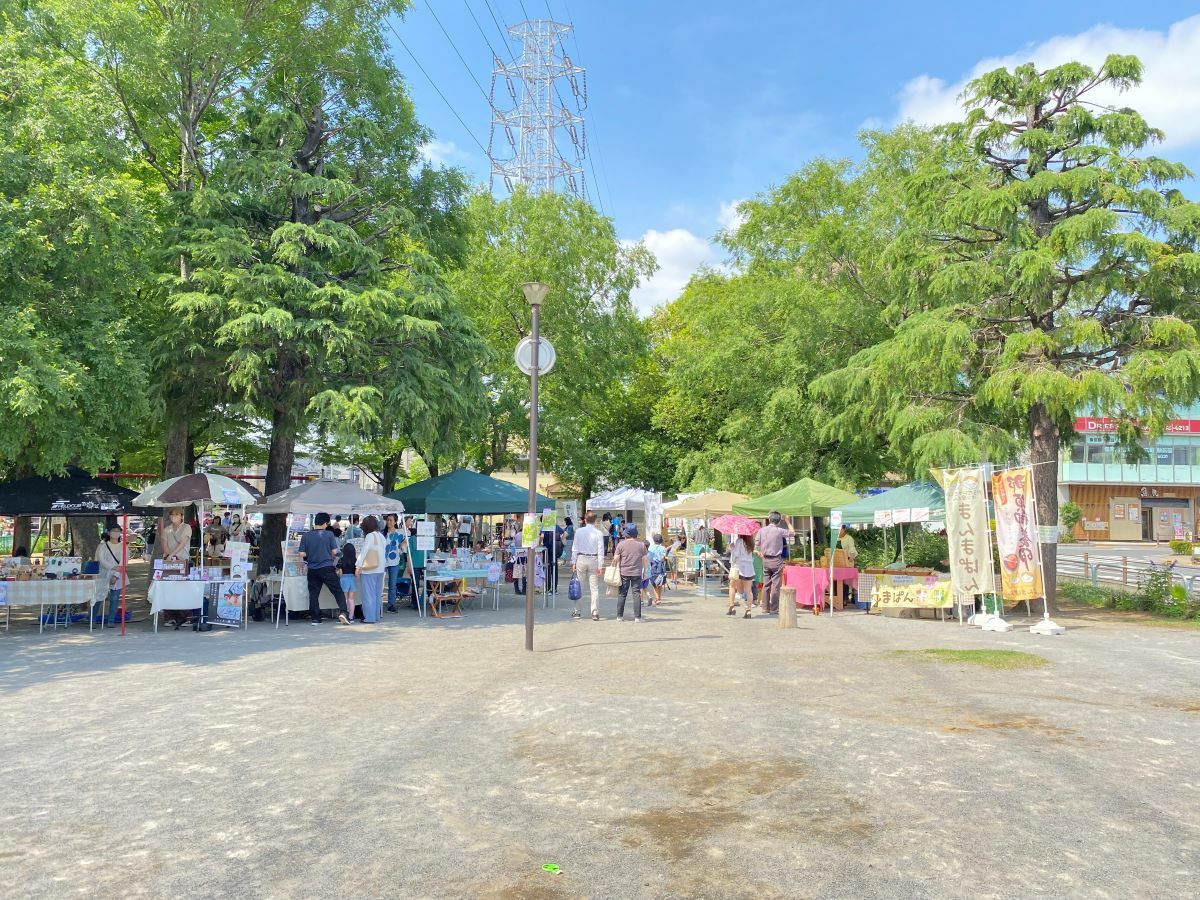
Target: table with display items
x,y
51,592
186,595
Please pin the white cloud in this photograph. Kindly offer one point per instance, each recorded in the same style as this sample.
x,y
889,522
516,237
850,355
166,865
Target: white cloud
x,y
443,153
1168,98
680,253
729,218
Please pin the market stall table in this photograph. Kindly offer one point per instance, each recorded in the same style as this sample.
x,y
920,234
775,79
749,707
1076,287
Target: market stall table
x,y
184,595
47,592
811,584
449,576
917,592
293,596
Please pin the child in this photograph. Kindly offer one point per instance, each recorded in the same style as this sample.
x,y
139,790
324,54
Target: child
x,y
347,568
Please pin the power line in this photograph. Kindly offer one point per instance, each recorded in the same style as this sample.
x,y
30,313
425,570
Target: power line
x,y
433,84
433,13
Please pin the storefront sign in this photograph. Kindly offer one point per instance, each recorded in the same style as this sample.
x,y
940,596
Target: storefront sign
x,y
1016,517
971,570
919,593
1101,424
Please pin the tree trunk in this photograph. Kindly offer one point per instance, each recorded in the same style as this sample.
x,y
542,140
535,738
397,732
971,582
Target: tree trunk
x,y
433,469
175,454
85,534
1043,455
22,533
389,474
279,478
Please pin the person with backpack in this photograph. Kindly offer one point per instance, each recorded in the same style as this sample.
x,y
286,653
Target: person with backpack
x,y
658,568
347,569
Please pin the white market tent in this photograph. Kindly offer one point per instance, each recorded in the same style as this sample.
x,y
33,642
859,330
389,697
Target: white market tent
x,y
327,496
621,499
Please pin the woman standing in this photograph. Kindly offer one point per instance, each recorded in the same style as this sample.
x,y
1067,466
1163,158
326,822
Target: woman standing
x,y
237,531
394,538
371,569
176,543
110,581
741,572
658,568
606,527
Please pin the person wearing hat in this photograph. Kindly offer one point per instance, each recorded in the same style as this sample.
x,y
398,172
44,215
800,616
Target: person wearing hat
x,y
632,562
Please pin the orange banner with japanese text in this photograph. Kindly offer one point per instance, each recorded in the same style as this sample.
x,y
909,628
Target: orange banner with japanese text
x,y
1016,535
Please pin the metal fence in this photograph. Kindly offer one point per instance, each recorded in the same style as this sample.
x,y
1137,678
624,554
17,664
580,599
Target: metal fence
x,y
1120,571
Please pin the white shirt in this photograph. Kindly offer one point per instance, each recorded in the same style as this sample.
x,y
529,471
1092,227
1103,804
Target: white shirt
x,y
464,524
589,541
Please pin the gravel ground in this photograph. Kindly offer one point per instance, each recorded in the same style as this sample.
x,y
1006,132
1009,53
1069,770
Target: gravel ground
x,y
691,755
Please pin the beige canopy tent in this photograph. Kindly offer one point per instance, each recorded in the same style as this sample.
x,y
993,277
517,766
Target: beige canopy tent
x,y
705,506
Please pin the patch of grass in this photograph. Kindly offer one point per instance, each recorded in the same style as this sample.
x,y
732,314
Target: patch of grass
x,y
991,659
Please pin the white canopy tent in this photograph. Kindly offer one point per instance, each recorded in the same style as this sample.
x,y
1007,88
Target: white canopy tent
x,y
328,496
621,499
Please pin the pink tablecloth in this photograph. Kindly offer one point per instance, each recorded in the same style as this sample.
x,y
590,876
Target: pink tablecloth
x,y
810,583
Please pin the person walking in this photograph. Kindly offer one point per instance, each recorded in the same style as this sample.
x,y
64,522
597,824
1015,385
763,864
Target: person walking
x,y
568,536
658,567
371,569
587,561
769,544
741,573
846,542
606,528
633,563
318,549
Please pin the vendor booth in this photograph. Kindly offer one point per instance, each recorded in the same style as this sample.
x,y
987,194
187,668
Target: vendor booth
x,y
633,504
59,583
464,491
198,588
810,499
703,507
309,498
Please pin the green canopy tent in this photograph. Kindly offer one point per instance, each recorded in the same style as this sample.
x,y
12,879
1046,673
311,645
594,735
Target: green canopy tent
x,y
464,491
926,495
916,495
806,497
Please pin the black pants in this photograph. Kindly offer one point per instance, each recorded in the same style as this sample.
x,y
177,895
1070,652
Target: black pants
x,y
318,578
464,540
628,582
551,575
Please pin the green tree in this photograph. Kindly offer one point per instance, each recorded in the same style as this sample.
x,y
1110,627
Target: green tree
x,y
1053,267
74,226
587,315
307,263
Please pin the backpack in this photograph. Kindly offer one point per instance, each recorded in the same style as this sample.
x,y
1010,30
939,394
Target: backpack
x,y
658,572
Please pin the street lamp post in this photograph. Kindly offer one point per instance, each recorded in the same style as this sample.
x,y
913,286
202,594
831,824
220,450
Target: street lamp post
x,y
535,293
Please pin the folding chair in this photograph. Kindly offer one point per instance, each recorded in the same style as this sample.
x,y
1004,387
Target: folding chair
x,y
441,593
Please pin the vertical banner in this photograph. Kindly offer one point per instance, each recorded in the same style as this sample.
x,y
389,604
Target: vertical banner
x,y
654,513
1016,542
971,570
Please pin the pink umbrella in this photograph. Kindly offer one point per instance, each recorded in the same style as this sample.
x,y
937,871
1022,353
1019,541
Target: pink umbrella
x,y
730,524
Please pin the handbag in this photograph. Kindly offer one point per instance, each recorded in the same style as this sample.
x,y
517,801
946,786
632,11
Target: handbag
x,y
612,576
574,589
370,559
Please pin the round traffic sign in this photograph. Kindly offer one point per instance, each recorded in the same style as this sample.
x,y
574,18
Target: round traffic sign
x,y
523,356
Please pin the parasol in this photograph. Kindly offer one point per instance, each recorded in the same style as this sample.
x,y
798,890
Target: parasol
x,y
731,524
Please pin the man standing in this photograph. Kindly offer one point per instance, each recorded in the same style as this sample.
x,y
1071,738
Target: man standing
x,y
769,544
587,557
851,551
318,549
465,526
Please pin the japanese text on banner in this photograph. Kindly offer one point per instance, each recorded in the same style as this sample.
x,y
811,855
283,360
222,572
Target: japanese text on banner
x,y
971,570
1016,538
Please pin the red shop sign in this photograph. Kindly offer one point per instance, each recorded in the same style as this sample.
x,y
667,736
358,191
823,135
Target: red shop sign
x,y
1094,425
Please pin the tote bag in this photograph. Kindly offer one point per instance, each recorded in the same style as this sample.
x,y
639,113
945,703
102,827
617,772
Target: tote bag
x,y
612,576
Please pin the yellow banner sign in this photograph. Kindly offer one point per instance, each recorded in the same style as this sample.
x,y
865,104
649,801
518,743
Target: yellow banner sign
x,y
906,592
1016,535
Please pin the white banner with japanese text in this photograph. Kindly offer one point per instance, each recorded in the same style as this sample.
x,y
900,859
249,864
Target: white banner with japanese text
x,y
971,569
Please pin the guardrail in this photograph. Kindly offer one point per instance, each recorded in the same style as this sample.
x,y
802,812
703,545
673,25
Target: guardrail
x,y
1120,571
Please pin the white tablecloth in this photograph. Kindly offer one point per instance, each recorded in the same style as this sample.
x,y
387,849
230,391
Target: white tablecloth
x,y
49,592
176,595
295,594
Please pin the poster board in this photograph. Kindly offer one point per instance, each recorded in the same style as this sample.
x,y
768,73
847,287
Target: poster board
x,y
293,564
529,530
226,603
910,592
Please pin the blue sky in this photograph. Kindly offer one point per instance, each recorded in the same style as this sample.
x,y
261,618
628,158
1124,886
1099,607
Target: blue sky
x,y
697,105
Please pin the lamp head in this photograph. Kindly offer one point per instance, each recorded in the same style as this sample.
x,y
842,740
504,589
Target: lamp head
x,y
535,292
